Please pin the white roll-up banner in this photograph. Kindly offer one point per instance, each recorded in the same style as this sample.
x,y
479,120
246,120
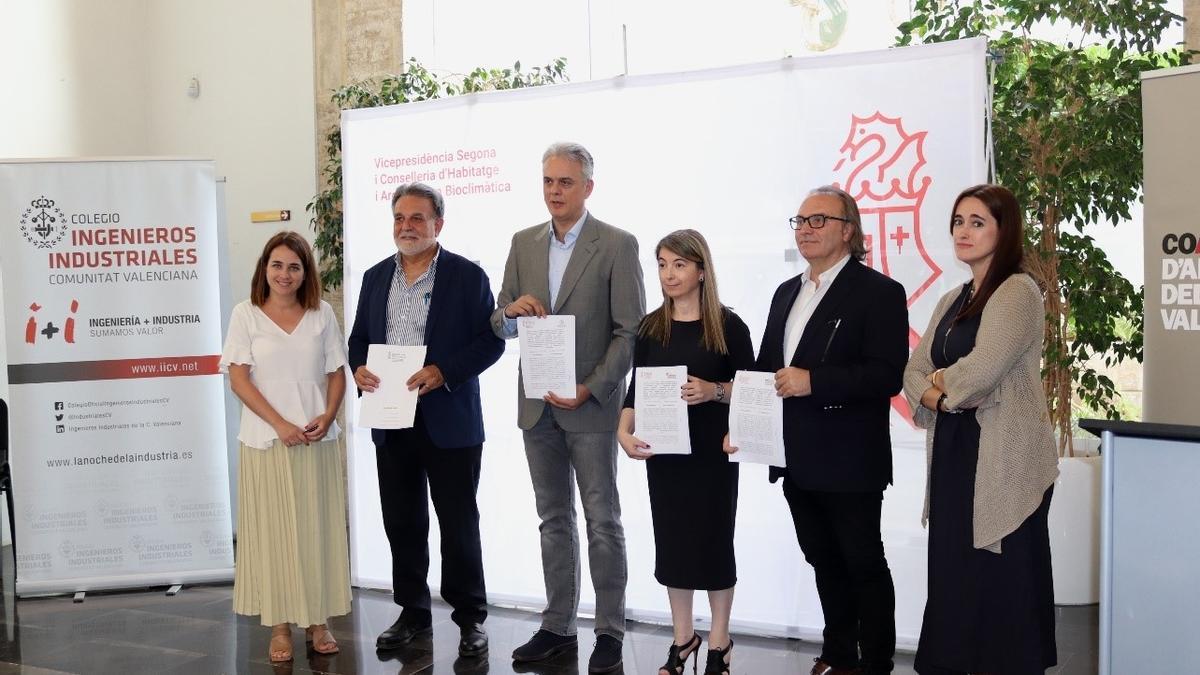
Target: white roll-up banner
x,y
732,153
113,331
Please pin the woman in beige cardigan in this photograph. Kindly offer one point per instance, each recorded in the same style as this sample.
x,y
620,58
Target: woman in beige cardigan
x,y
974,381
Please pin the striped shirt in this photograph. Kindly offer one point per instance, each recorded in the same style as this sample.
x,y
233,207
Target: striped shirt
x,y
408,306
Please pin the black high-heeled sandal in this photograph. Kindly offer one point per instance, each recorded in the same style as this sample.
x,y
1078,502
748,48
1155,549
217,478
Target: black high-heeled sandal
x,y
716,660
676,663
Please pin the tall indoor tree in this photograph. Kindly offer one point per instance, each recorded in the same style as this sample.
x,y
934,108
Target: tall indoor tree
x,y
1067,132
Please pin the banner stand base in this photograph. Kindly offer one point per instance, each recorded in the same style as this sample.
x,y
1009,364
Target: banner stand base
x,y
79,596
174,590
130,582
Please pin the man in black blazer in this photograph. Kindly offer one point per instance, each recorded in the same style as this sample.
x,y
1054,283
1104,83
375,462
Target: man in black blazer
x,y
426,295
837,340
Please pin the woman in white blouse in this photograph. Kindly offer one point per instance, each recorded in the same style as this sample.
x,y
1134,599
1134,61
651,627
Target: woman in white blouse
x,y
284,354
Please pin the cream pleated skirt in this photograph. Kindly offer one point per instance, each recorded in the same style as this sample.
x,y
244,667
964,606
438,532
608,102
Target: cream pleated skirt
x,y
292,563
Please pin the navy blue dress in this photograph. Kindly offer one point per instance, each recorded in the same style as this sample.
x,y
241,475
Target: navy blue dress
x,y
986,613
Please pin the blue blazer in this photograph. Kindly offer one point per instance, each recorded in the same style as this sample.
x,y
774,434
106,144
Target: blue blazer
x,y
458,339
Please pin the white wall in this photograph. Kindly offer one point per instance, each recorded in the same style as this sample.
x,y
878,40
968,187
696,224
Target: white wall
x,y
255,114
72,78
662,36
81,78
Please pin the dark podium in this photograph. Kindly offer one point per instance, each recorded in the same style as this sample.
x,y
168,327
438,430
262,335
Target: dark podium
x,y
1149,547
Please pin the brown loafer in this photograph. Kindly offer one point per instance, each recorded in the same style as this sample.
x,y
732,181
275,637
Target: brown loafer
x,y
822,668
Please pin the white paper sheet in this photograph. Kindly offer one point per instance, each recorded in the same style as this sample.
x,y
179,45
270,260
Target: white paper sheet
x,y
660,415
547,354
392,405
756,419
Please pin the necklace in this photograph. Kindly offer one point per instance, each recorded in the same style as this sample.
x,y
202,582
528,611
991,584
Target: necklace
x,y
965,298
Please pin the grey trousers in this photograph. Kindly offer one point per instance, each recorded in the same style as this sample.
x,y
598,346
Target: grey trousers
x,y
555,456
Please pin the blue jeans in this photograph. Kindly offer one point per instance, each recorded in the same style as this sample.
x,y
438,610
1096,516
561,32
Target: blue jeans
x,y
555,456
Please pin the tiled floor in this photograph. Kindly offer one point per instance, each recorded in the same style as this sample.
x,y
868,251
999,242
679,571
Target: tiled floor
x,y
196,632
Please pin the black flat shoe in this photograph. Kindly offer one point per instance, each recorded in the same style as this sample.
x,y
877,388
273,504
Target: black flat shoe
x,y
474,641
401,633
678,655
716,660
544,645
606,655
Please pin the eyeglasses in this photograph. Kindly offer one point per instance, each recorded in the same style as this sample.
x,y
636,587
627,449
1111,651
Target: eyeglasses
x,y
816,221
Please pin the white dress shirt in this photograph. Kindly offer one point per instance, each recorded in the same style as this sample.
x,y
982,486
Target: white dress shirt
x,y
811,292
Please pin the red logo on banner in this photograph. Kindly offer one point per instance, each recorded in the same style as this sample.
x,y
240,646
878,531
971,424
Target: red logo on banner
x,y
49,330
881,168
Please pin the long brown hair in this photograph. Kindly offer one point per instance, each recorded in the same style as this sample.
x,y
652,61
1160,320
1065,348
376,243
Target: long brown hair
x,y
1009,256
309,293
690,245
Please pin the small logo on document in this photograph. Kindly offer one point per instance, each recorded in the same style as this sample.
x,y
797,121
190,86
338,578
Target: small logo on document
x,y
43,224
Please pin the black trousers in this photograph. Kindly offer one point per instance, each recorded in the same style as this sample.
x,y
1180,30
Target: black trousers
x,y
411,470
839,535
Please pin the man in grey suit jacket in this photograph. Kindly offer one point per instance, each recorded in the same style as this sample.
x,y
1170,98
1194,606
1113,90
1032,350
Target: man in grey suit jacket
x,y
578,265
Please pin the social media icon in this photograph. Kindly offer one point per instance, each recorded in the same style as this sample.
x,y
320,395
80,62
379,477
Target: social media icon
x,y
59,429
58,405
58,418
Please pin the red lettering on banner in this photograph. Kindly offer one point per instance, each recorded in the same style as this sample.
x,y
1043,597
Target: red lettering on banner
x,y
31,325
50,330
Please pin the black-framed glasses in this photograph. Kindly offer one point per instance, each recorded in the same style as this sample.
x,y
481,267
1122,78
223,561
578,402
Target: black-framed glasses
x,y
816,221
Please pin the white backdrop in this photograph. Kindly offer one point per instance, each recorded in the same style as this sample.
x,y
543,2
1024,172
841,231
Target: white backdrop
x,y
730,152
113,332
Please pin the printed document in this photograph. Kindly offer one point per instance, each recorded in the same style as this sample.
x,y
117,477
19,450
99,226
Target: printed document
x,y
660,415
392,405
547,354
756,419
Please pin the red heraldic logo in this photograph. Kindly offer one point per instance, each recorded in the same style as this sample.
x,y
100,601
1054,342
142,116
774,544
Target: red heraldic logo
x,y
880,167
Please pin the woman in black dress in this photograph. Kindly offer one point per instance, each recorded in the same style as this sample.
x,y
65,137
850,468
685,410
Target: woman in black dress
x,y
693,498
975,383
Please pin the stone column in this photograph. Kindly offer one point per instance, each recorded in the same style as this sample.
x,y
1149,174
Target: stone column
x,y
1191,29
353,40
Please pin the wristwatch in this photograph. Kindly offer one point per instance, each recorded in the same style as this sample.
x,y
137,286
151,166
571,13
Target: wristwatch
x,y
941,406
720,395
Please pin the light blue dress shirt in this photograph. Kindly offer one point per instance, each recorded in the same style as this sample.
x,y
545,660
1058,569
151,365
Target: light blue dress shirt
x,y
560,255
